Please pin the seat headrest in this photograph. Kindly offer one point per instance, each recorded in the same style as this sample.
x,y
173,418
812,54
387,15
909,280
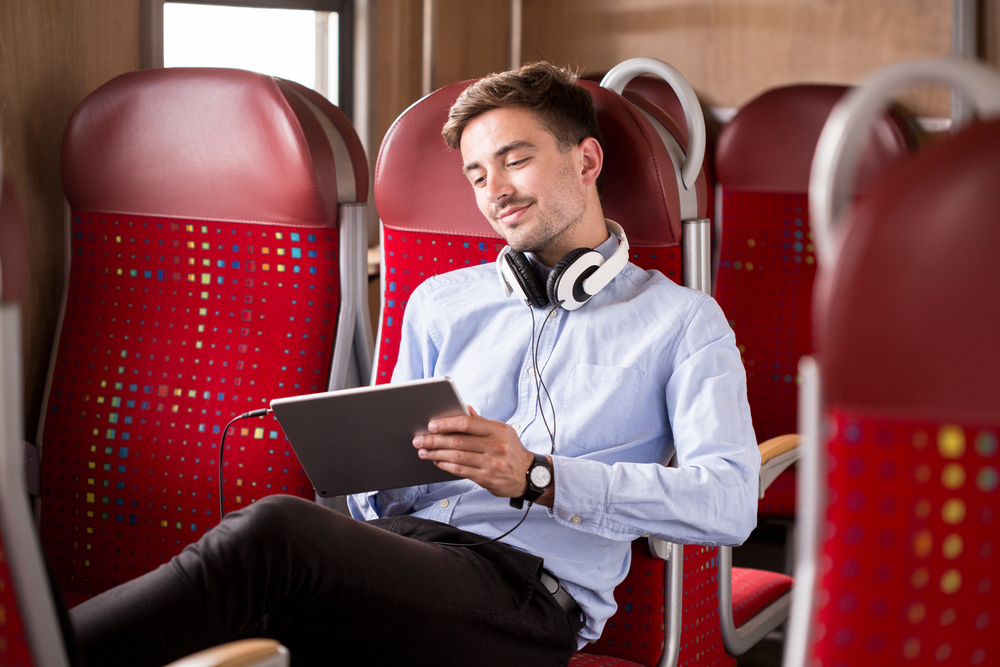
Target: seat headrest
x,y
769,144
907,318
209,143
419,183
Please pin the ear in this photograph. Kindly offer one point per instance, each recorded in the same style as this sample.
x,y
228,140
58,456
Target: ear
x,y
592,156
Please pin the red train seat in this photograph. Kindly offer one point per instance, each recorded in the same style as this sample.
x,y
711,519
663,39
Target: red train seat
x,y
208,274
767,261
900,500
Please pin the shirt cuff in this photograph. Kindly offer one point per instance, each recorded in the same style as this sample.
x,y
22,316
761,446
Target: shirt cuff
x,y
581,493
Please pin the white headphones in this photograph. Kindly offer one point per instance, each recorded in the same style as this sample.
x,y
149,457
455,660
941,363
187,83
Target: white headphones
x,y
579,275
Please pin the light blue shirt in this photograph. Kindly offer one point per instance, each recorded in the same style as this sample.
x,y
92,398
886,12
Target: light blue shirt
x,y
642,371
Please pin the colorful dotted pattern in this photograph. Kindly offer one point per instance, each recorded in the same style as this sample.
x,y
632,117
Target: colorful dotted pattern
x,y
701,628
764,285
635,632
767,265
172,328
910,551
634,635
14,651
410,259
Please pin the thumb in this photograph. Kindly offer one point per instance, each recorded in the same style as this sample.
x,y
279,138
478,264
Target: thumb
x,y
472,411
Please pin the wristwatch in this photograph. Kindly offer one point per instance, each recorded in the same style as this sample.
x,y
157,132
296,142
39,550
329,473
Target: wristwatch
x,y
539,479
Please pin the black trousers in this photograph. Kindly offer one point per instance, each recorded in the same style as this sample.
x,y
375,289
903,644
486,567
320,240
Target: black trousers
x,y
335,591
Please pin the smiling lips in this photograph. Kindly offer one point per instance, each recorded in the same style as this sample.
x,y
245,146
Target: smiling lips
x,y
511,211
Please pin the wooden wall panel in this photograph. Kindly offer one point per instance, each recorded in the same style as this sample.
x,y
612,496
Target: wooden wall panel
x,y
732,50
471,39
989,33
398,52
52,54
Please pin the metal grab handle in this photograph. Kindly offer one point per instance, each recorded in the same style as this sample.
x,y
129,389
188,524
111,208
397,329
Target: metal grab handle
x,y
623,72
841,142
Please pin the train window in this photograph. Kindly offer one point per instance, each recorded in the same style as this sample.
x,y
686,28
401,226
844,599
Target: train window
x,y
308,41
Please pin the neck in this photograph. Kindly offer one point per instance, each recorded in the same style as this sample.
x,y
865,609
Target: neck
x,y
590,233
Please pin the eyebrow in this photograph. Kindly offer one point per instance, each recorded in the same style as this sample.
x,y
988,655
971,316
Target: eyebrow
x,y
500,152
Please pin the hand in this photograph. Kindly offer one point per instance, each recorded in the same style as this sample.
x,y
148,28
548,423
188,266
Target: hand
x,y
484,451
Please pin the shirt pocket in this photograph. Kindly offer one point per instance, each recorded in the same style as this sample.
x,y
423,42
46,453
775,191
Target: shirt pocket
x,y
598,411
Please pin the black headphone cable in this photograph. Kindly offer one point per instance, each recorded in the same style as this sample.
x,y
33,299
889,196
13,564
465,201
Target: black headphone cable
x,y
222,448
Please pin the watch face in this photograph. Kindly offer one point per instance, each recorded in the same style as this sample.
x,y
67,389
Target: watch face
x,y
541,476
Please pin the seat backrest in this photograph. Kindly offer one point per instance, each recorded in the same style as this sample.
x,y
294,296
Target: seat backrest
x,y
204,280
912,377
905,509
767,262
431,224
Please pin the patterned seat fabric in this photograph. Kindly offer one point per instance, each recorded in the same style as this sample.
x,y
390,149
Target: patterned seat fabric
x,y
203,282
911,376
755,590
767,262
928,508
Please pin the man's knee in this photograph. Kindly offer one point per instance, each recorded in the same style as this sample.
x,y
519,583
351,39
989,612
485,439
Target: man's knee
x,y
271,520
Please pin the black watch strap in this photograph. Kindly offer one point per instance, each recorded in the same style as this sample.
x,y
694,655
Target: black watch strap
x,y
532,492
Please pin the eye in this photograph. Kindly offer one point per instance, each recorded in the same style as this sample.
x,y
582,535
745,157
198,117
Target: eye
x,y
513,164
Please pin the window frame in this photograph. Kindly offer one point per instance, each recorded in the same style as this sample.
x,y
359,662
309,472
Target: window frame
x,y
151,35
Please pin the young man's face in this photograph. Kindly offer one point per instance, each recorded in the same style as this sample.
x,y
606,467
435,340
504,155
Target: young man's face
x,y
534,194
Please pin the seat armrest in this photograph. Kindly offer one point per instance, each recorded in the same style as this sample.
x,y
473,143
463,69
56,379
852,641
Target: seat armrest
x,y
776,455
244,653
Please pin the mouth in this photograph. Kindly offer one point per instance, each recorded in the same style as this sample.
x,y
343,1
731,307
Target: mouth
x,y
511,213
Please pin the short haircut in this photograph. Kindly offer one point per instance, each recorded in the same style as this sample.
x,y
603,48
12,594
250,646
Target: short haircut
x,y
551,93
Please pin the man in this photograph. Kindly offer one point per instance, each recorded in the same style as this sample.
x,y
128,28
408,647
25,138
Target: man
x,y
640,371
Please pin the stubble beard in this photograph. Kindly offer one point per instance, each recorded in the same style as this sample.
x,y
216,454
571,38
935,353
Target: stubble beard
x,y
547,228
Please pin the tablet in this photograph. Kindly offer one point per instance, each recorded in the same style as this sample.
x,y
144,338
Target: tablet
x,y
358,440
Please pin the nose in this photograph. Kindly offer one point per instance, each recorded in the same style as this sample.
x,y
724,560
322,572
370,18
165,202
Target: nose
x,y
498,187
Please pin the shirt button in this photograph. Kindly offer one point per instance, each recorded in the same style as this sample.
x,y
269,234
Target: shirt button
x,y
531,371
553,313
516,427
577,520
444,503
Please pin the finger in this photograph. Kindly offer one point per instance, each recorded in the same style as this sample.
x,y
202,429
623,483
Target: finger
x,y
445,441
456,461
472,411
471,424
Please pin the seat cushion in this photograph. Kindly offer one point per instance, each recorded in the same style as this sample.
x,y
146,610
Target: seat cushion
x,y
754,590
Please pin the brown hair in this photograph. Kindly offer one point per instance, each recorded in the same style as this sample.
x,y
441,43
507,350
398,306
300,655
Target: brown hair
x,y
550,92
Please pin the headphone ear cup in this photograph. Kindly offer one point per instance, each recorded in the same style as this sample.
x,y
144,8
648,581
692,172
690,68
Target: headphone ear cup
x,y
526,278
571,297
